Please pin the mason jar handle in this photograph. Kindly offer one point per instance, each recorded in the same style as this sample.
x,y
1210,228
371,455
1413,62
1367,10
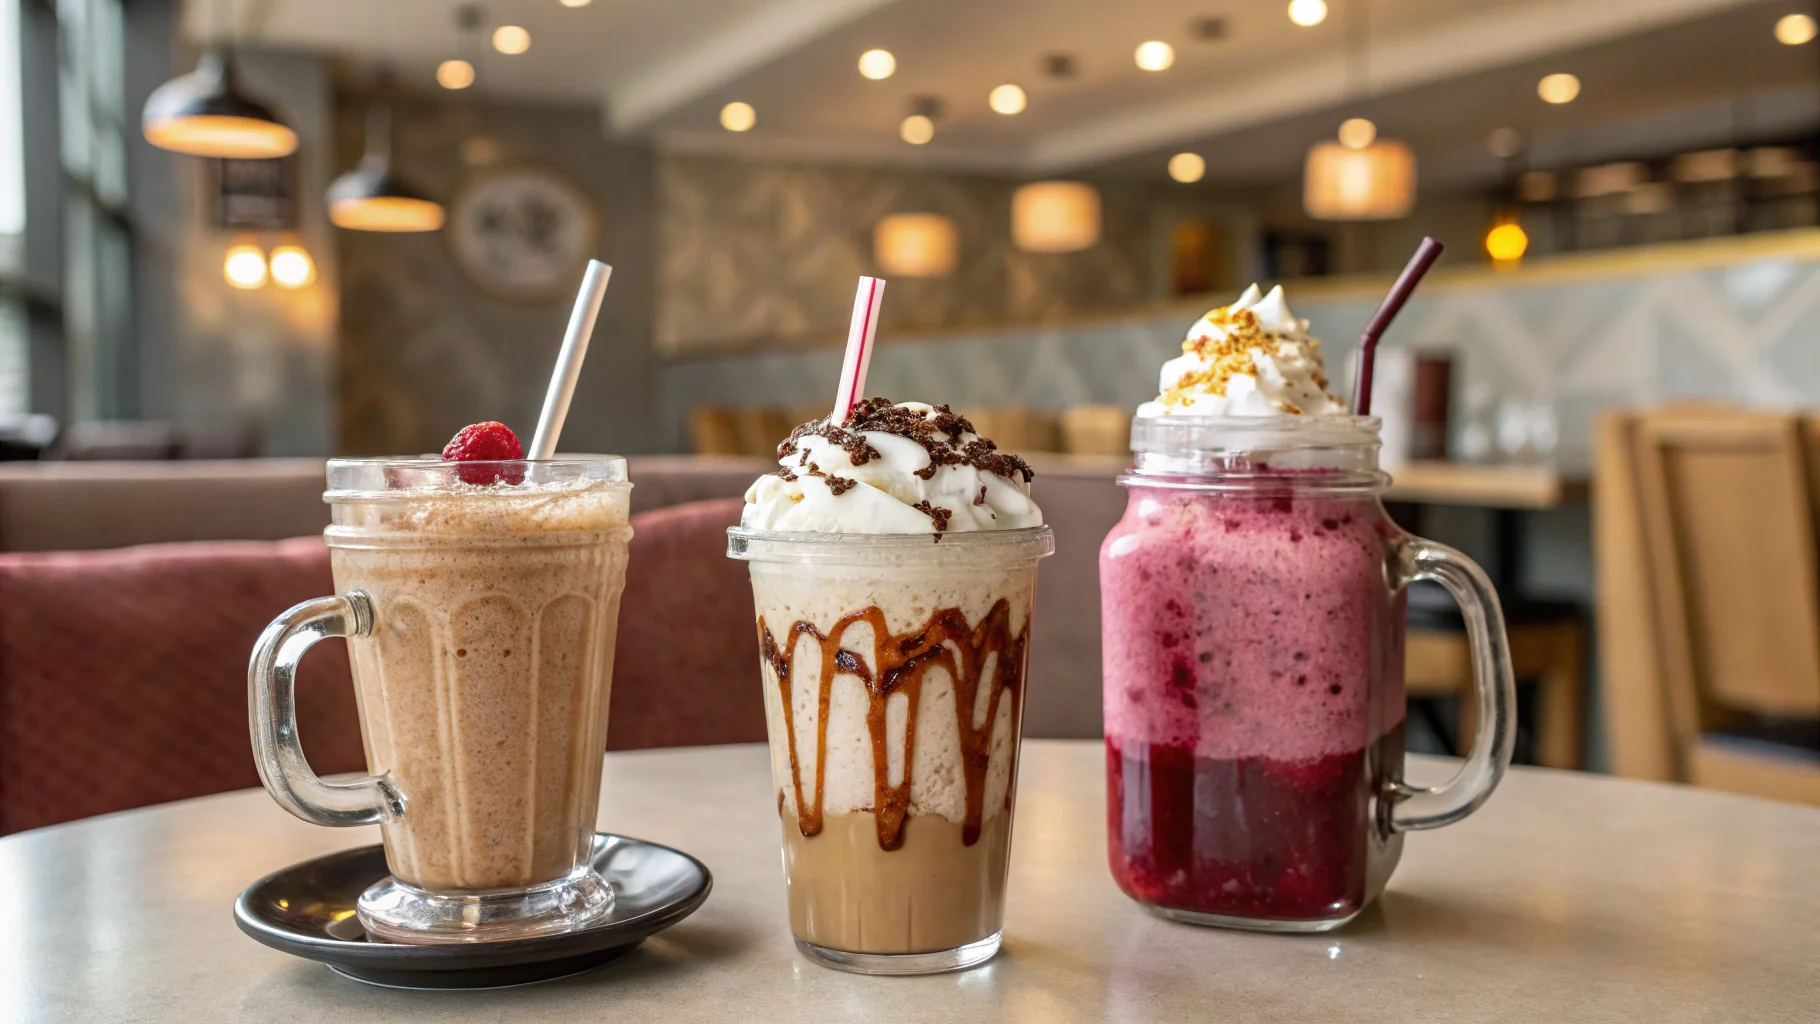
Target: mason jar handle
x,y
1493,682
272,709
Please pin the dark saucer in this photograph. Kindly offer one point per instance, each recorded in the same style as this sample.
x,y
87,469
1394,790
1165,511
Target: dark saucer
x,y
308,909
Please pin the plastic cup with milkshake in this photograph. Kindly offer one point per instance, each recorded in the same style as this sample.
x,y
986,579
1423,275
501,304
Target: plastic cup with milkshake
x,y
893,557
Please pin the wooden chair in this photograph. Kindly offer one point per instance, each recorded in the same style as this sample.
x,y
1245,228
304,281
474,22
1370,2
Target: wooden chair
x,y
1096,430
760,430
1710,584
1547,650
1016,429
714,430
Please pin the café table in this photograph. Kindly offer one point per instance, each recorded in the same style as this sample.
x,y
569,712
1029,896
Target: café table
x,y
1568,897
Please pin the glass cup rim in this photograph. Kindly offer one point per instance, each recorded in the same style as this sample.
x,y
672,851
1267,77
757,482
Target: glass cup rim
x,y
400,477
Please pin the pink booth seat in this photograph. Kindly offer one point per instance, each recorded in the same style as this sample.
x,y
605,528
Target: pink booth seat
x,y
123,672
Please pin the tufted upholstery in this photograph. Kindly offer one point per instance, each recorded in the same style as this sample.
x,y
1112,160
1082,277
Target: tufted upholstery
x,y
123,674
686,671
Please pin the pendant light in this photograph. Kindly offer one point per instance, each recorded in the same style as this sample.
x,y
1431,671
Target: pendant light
x,y
204,113
371,198
1360,176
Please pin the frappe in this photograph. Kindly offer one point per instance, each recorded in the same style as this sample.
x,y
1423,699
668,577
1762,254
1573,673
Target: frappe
x,y
893,561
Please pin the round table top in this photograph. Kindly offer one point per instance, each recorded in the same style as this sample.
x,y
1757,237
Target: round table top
x,y
1568,897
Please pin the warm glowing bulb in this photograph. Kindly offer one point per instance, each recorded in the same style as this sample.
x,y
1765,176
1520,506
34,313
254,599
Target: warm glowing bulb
x,y
1506,243
877,64
1558,88
738,117
1187,168
916,129
454,74
1795,29
1357,133
1155,56
576,3
511,39
1007,99
1307,12
245,267
292,266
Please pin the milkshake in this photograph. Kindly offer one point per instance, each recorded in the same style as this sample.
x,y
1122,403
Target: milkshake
x,y
483,597
893,562
1252,616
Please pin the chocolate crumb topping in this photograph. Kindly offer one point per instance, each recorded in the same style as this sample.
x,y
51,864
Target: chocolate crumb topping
x,y
939,434
981,500
936,512
839,485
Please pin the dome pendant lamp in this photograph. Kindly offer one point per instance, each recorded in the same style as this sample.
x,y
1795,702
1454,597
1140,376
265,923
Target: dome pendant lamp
x,y
204,113
371,198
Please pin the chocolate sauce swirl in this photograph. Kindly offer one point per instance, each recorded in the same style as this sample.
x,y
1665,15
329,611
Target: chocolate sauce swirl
x,y
903,662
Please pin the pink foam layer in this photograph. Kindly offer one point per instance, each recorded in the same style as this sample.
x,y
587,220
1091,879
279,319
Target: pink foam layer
x,y
1246,627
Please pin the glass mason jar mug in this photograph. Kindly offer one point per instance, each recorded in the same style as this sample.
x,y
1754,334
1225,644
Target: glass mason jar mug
x,y
1252,610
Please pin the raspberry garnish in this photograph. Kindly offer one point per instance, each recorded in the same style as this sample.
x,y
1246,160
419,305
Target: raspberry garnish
x,y
491,441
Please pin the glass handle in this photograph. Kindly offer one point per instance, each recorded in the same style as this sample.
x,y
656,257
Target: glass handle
x,y
272,699
1493,682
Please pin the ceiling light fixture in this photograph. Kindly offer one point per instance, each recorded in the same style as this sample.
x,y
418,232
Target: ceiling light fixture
x,y
1059,65
511,40
917,129
1506,243
292,266
916,245
244,267
371,198
204,113
1155,55
455,74
1558,88
576,3
1187,168
738,117
1357,133
1504,143
1795,29
1307,13
1007,100
1055,216
877,64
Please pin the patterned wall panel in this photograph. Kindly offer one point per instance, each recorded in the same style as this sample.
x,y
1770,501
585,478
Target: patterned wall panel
x,y
1737,321
755,254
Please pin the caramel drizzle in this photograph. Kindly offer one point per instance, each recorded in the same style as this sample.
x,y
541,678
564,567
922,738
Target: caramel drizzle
x,y
902,664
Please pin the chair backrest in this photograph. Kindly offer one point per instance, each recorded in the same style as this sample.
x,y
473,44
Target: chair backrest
x,y
686,670
123,674
1096,430
1729,529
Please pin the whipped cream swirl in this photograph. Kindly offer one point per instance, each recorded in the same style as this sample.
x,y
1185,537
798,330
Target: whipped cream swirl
x,y
1252,358
903,468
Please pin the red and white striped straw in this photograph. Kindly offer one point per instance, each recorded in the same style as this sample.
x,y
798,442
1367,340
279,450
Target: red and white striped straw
x,y
859,347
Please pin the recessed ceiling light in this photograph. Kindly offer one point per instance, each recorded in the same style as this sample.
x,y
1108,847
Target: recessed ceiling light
x,y
738,117
877,64
1155,55
1504,143
454,74
1307,12
1357,133
576,3
1187,168
511,39
916,129
1007,99
1795,29
1558,88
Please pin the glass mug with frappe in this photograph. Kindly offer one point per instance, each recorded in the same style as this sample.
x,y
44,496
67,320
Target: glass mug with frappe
x,y
1252,600
479,600
893,559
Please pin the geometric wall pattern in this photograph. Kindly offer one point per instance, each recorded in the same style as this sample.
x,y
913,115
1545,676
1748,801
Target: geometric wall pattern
x,y
1727,320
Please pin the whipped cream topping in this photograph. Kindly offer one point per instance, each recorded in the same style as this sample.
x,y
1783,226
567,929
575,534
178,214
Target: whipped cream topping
x,y
1252,358
903,468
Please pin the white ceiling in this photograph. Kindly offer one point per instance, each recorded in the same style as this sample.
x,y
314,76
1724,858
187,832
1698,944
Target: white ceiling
x,y
664,68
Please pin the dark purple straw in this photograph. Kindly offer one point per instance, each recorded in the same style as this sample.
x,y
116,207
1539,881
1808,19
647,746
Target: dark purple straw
x,y
1426,254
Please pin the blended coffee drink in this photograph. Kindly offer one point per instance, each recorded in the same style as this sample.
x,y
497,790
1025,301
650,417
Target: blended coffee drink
x,y
893,560
484,596
1252,618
